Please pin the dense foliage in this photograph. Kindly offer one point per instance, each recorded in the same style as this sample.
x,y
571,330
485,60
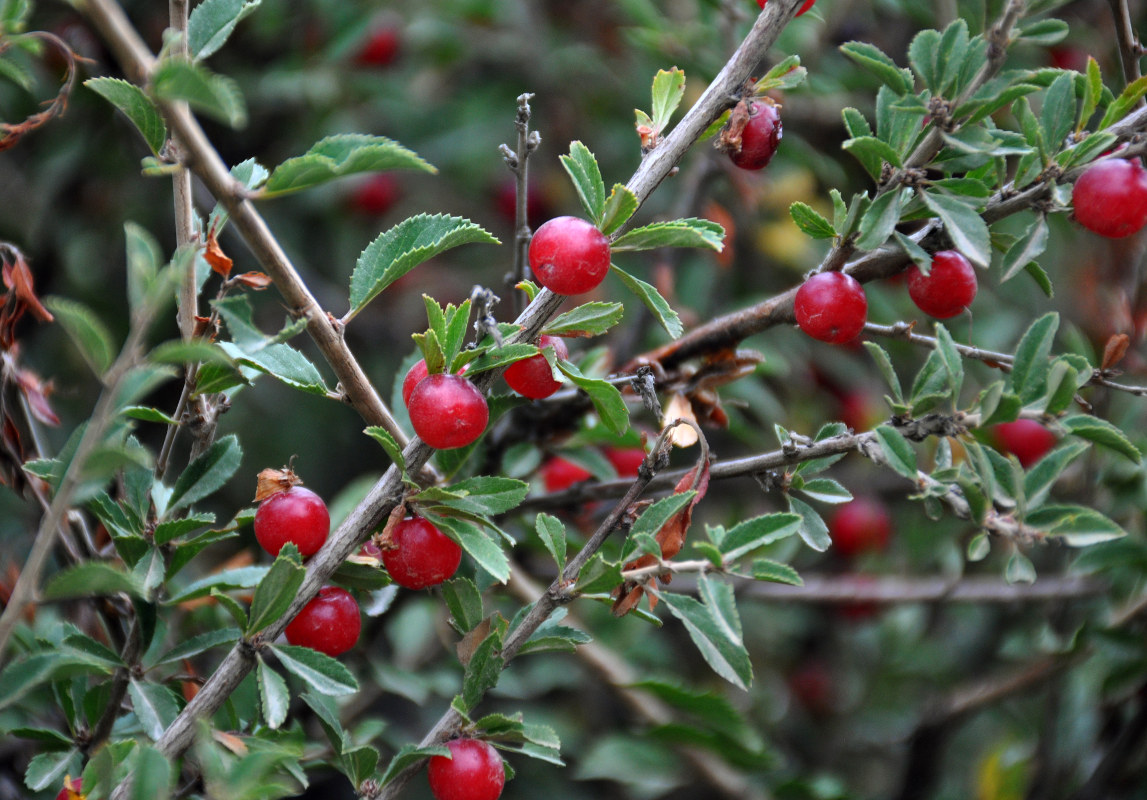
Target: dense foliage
x,y
817,471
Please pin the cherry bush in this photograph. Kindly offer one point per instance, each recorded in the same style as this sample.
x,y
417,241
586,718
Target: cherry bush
x,y
388,409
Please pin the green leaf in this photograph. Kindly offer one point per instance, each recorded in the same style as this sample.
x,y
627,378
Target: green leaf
x,y
1043,475
1077,526
689,232
464,602
154,706
135,105
319,671
483,495
1019,569
668,91
389,445
409,755
1057,117
553,535
1132,93
923,52
359,763
483,669
605,397
897,450
215,95
1026,248
967,230
653,301
588,319
714,628
48,770
1044,32
810,222
884,364
857,126
774,572
875,61
91,579
238,578
598,575
550,637
619,207
152,776
879,220
747,536
1030,367
86,331
1102,432
207,473
273,695
339,156
496,357
212,22
826,490
280,361
812,528
786,74
586,176
405,246
950,357
870,150
486,552
278,588
199,644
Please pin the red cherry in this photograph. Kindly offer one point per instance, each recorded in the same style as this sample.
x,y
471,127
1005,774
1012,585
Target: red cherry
x,y
947,289
76,789
863,525
1110,198
532,377
421,555
330,623
447,411
569,255
626,460
1025,439
296,515
760,138
473,772
380,49
812,686
807,5
414,376
559,474
375,196
831,307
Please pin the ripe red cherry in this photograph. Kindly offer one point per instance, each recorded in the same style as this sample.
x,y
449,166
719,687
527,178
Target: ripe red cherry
x,y
447,411
375,196
831,307
532,377
1110,198
807,5
947,289
421,555
1025,439
860,526
380,49
330,623
414,376
760,138
77,788
559,474
474,772
569,255
296,515
626,460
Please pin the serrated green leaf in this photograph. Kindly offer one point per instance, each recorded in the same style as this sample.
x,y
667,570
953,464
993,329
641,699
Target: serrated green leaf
x,y
238,578
709,626
277,590
668,91
91,579
923,53
483,669
136,106
283,362
273,695
686,232
588,319
1030,367
774,572
884,364
1026,248
1102,432
483,495
86,331
389,445
1132,93
338,156
606,398
857,126
1077,526
950,357
207,473
897,450
48,770
464,602
870,150
199,644
786,74
812,529
598,575
582,168
1044,32
154,706
319,671
880,220
747,536
810,222
553,535
826,490
212,22
359,763
409,755
405,246
486,552
1057,116
215,95
967,230
550,637
619,207
652,299
1042,476
875,61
